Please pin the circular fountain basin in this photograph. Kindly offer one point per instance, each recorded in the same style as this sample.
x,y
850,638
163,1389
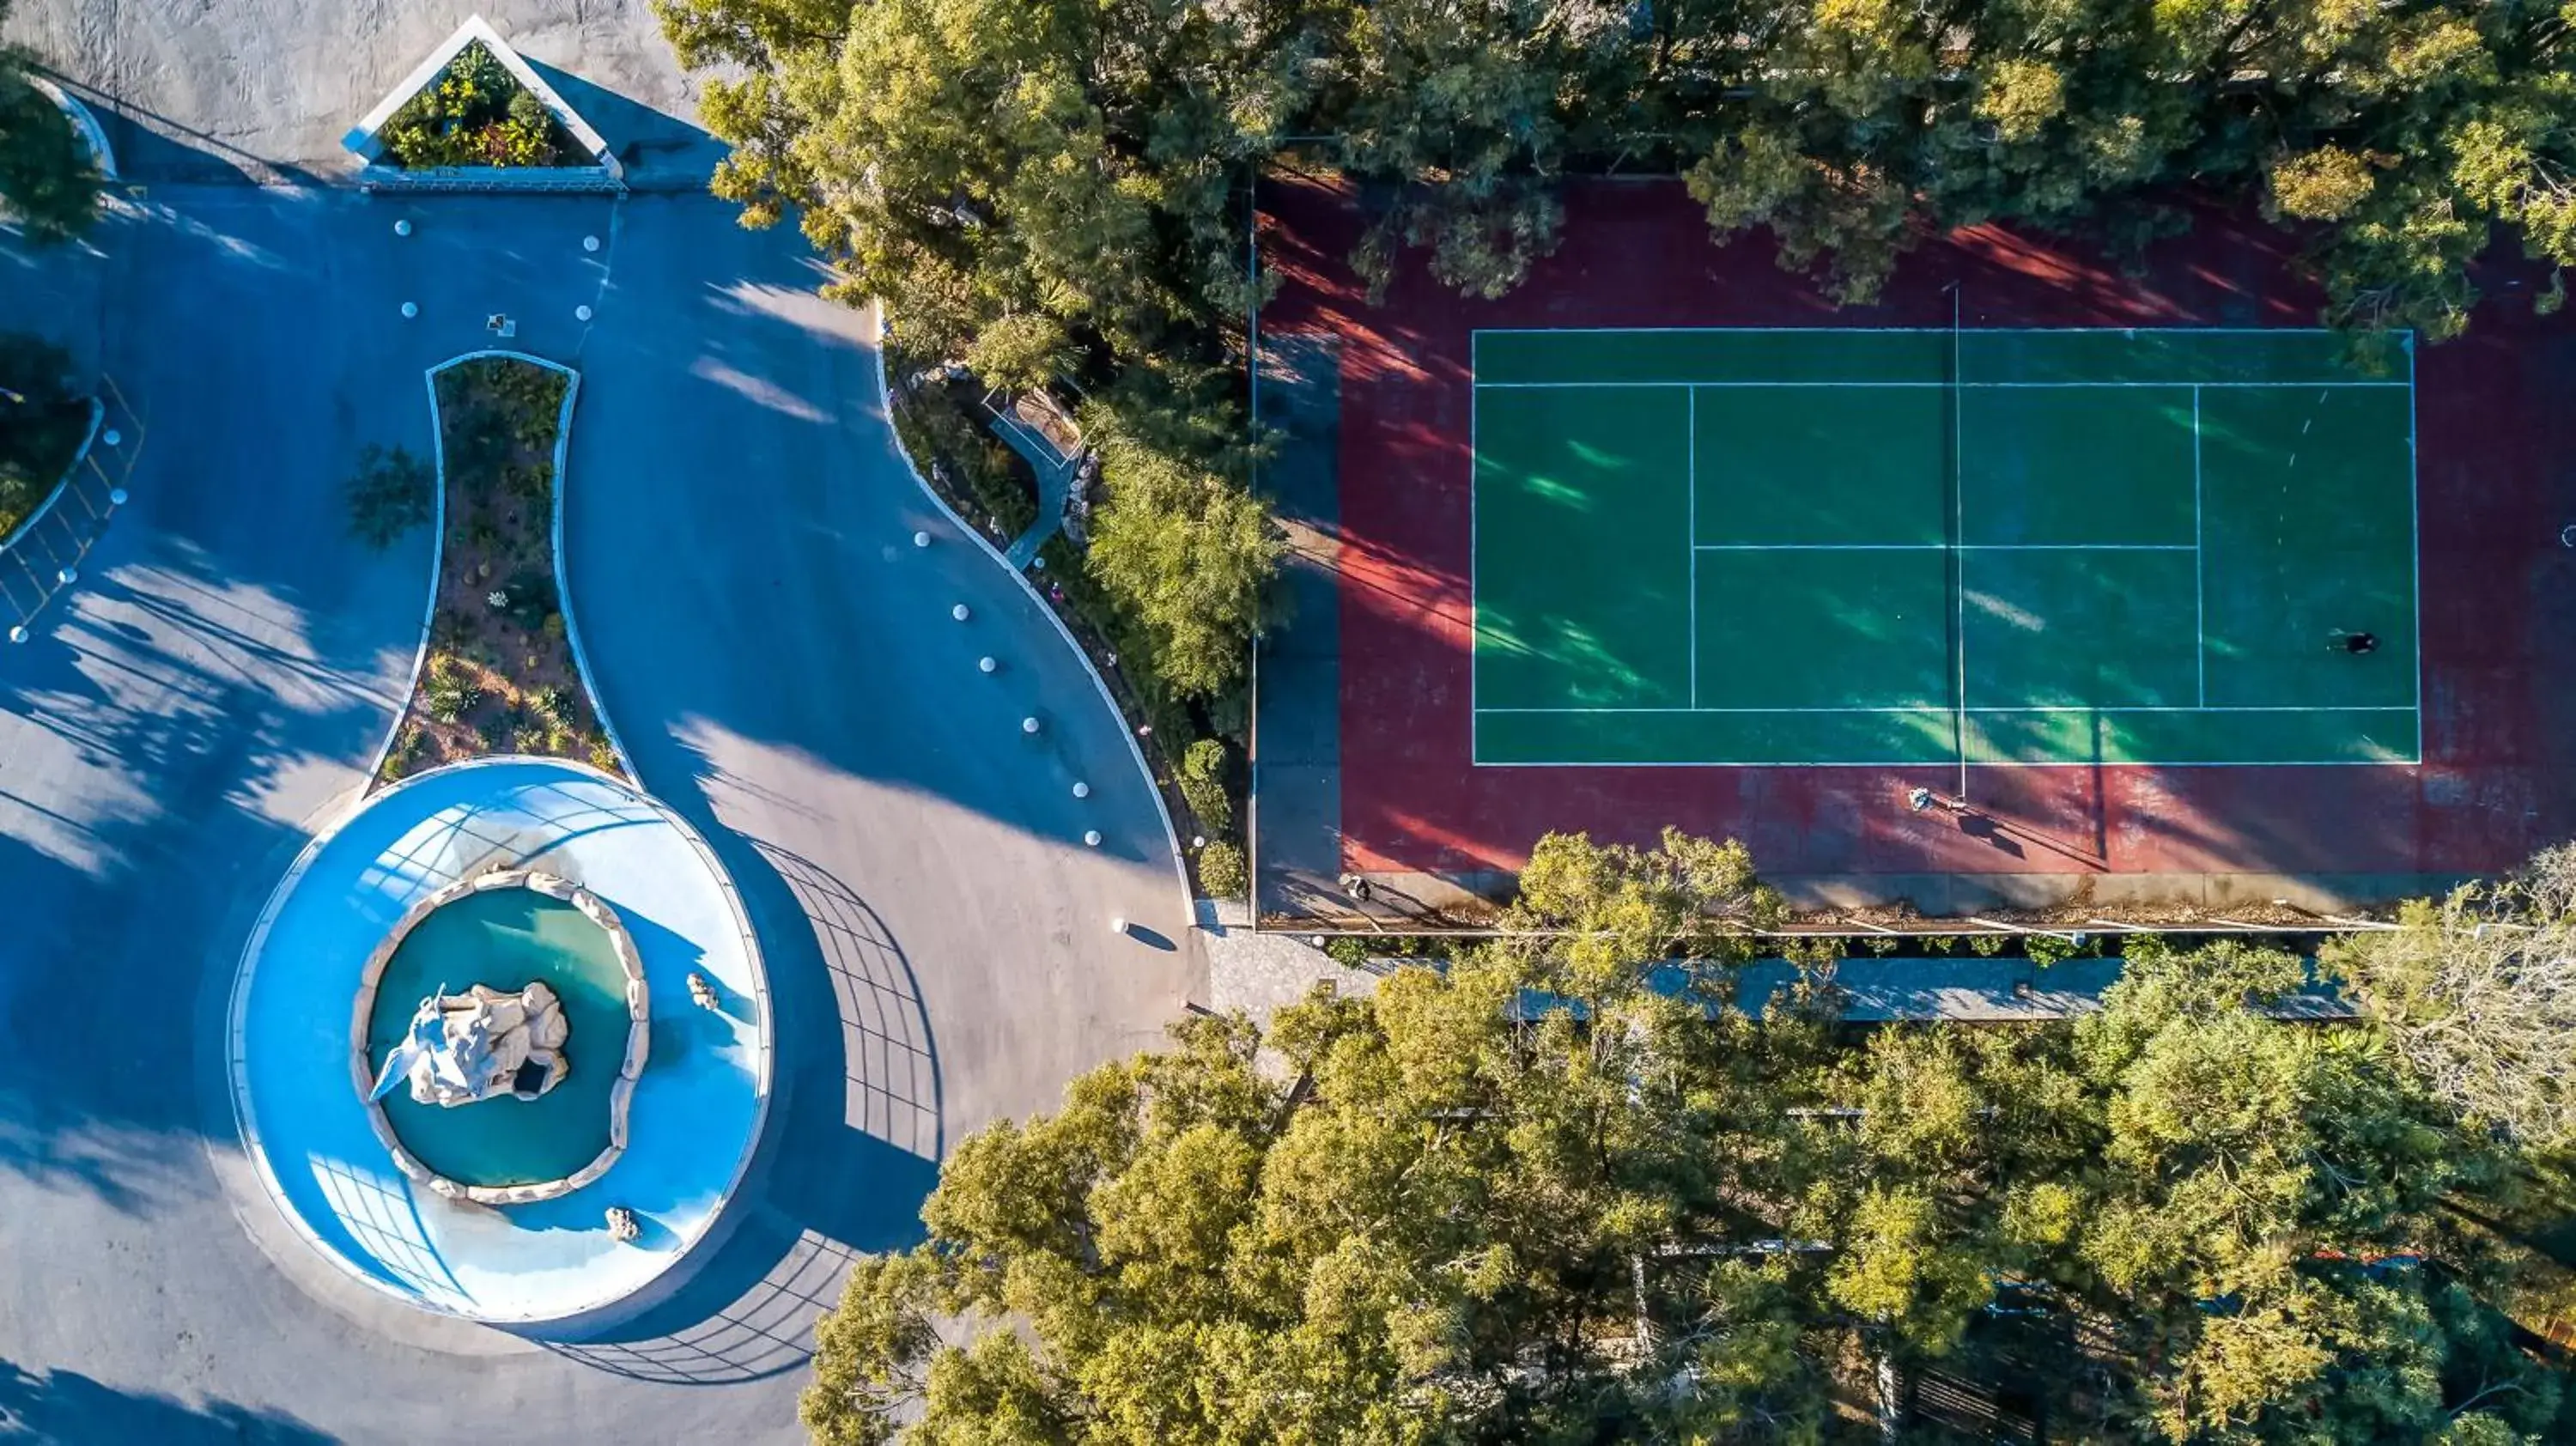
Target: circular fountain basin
x,y
509,931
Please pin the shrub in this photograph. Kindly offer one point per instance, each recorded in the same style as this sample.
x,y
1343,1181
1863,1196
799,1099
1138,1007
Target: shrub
x,y
552,703
1221,870
1203,783
450,692
603,756
1347,950
476,114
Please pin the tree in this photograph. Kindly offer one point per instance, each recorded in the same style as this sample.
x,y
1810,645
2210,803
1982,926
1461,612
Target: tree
x,y
2477,991
49,181
1609,1210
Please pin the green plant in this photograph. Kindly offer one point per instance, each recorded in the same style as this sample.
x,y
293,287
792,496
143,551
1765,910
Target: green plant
x,y
476,113
49,181
1348,950
1986,945
1880,944
603,755
449,691
553,703
1204,784
40,435
389,495
1221,870
2047,949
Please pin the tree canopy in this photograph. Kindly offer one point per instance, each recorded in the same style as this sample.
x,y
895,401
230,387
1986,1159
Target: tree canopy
x,y
1060,188
1522,1198
49,182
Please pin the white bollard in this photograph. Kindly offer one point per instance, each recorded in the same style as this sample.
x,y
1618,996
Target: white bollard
x,y
402,228
111,436
1029,724
1081,790
985,664
959,612
115,496
18,634
1091,837
589,243
1117,926
921,539
67,576
581,313
410,309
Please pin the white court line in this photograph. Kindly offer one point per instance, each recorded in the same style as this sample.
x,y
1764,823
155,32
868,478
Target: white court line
x,y
2199,563
1915,330
1947,547
1943,708
1882,765
2415,526
1692,475
2173,386
1475,583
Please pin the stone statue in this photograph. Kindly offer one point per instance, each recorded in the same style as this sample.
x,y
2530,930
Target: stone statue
x,y
462,1048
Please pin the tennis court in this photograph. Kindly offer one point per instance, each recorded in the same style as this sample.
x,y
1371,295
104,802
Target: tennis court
x,y
1876,547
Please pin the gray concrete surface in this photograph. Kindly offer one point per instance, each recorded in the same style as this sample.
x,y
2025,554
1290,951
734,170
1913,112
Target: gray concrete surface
x,y
267,89
778,655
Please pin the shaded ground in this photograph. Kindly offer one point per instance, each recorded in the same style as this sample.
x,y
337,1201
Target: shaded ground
x,y
2496,480
782,661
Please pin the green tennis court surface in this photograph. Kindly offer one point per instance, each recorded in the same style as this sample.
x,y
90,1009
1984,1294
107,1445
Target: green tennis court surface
x,y
1884,547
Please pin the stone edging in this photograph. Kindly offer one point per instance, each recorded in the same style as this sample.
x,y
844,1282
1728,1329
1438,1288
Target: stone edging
x,y
605,173
62,484
639,1035
1171,836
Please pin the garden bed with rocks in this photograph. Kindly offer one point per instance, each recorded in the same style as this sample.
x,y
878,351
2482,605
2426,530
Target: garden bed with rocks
x,y
499,676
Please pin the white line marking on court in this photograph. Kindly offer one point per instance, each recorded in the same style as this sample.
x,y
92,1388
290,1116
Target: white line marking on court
x,y
1947,547
2415,528
1911,708
1692,482
1884,764
2172,386
1914,330
2199,562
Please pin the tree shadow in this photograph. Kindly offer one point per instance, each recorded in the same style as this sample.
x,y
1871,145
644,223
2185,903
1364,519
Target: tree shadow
x,y
68,1406
853,1151
660,151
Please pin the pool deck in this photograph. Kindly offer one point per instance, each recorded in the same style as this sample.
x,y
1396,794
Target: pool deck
x,y
698,1109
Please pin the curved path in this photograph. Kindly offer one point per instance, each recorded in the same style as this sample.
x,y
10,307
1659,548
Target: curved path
x,y
778,657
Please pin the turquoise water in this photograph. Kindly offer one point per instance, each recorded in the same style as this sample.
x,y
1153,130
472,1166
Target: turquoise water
x,y
508,938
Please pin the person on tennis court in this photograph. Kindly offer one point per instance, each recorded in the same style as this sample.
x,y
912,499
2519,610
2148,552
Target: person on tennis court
x,y
2357,644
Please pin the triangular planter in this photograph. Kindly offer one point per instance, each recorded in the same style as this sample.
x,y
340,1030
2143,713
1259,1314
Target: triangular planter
x,y
604,173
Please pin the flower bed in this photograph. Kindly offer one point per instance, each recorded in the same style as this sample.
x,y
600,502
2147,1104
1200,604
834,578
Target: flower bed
x,y
477,114
500,676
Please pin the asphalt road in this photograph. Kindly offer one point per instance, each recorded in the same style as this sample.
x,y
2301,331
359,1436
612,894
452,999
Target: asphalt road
x,y
777,654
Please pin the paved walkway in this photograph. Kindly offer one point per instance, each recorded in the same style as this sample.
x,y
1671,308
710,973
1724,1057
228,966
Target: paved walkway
x,y
780,658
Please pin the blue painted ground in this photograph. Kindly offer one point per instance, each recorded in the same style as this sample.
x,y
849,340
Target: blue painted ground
x,y
697,1107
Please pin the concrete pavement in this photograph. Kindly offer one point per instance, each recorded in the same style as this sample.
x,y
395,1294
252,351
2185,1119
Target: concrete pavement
x,y
780,658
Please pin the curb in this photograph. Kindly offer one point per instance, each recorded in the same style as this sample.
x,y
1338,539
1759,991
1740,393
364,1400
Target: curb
x,y
1171,836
